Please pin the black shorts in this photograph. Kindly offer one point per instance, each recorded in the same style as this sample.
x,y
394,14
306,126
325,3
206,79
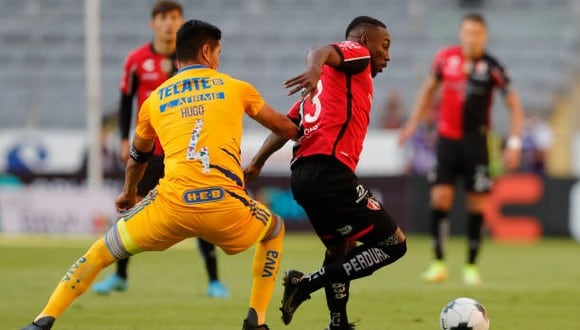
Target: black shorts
x,y
339,207
467,158
154,171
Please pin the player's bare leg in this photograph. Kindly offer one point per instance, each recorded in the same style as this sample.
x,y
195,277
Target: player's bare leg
x,y
475,204
264,271
441,201
73,284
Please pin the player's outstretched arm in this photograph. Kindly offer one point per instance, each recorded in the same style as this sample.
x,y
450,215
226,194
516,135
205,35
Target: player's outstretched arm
x,y
272,144
125,112
316,58
282,129
278,123
135,168
514,143
422,106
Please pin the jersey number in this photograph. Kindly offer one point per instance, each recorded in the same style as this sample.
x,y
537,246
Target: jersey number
x,y
312,118
203,154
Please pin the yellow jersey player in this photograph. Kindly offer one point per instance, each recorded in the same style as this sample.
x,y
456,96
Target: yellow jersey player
x,y
197,116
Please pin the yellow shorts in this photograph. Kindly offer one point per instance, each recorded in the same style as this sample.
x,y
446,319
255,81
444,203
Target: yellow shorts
x,y
233,224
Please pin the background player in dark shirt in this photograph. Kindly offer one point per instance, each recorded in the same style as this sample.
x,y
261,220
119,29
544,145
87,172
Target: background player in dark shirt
x,y
145,69
333,116
467,76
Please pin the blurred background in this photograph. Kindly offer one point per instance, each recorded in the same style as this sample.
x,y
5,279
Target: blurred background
x,y
61,62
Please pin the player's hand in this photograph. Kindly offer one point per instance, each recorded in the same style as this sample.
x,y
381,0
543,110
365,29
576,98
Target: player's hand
x,y
124,151
512,159
251,172
125,202
407,132
306,83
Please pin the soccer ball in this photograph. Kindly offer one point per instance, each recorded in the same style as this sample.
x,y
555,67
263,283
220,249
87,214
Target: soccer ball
x,y
464,314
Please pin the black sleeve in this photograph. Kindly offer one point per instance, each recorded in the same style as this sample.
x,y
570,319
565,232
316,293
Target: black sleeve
x,y
501,78
353,66
126,110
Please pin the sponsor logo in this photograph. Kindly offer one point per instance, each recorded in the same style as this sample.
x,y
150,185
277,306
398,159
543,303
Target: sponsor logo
x,y
188,85
339,290
73,271
362,192
197,196
345,230
270,265
364,260
191,99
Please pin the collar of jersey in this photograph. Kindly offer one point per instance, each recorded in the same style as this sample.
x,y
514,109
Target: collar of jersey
x,y
195,66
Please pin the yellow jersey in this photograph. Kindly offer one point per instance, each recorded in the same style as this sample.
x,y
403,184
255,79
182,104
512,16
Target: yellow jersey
x,y
197,116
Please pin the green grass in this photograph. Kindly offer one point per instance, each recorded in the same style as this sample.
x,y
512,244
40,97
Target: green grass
x,y
526,287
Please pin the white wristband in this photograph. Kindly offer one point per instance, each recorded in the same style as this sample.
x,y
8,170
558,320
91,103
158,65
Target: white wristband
x,y
514,143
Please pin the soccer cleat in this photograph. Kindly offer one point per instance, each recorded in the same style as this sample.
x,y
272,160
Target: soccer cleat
x,y
251,322
113,282
436,273
217,290
471,275
292,297
43,323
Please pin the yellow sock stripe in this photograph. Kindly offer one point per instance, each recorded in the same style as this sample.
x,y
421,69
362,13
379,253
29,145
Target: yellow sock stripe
x,y
265,230
126,239
114,244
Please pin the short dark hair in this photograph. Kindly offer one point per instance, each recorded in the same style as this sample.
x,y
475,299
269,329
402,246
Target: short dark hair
x,y
163,7
191,37
361,21
474,17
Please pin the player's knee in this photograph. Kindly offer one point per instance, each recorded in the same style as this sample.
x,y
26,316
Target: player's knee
x,y
340,249
395,246
398,250
441,197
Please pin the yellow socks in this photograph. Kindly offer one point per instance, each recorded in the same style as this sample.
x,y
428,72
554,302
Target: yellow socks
x,y
78,279
265,270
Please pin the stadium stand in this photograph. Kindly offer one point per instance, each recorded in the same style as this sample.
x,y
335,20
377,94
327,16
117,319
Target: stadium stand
x,y
42,53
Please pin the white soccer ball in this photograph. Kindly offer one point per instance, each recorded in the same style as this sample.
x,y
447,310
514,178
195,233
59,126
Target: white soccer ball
x,y
464,314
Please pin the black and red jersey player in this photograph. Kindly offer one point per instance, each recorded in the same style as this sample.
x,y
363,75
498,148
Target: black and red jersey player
x,y
333,115
145,69
466,76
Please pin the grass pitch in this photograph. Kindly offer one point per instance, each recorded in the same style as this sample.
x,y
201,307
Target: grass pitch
x,y
526,287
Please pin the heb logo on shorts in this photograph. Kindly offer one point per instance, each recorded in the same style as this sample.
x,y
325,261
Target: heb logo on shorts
x,y
205,195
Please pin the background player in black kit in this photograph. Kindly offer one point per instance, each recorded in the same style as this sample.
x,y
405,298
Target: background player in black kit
x,y
333,115
146,68
467,76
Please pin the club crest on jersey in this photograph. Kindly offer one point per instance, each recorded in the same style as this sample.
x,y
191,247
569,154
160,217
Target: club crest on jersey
x,y
453,65
373,204
148,65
